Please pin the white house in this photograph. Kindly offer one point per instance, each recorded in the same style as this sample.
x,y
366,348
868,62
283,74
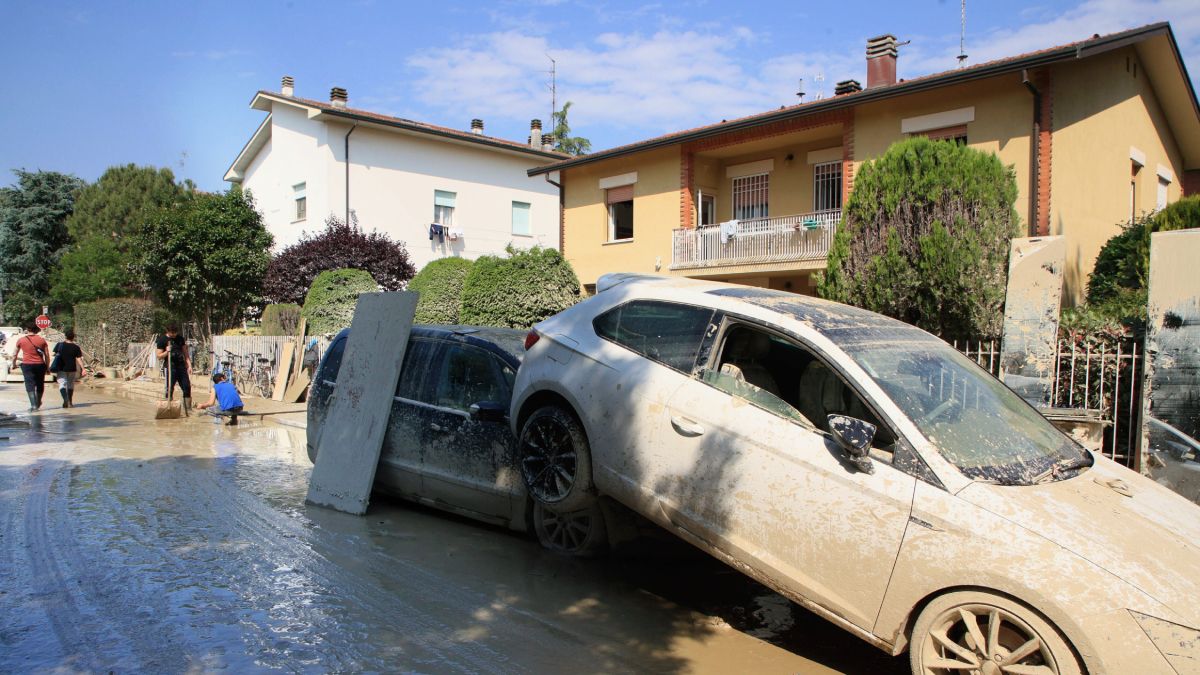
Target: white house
x,y
312,159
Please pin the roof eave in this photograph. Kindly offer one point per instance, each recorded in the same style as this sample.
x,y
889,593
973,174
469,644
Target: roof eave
x,y
237,170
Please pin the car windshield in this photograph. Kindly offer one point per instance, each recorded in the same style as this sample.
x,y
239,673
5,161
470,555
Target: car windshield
x,y
977,423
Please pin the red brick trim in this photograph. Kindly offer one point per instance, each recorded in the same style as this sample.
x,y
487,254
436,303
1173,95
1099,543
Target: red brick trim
x,y
687,170
847,158
1045,152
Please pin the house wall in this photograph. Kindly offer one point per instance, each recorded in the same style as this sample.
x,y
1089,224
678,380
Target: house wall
x,y
790,185
393,177
655,215
1101,109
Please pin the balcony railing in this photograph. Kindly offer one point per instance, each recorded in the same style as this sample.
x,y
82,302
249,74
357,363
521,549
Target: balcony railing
x,y
805,236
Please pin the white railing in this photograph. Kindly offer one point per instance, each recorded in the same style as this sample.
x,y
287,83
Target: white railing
x,y
804,236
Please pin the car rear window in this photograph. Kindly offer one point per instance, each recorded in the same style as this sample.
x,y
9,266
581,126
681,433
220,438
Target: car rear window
x,y
666,332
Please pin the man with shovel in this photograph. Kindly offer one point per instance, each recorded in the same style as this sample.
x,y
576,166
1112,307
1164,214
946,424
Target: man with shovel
x,y
172,349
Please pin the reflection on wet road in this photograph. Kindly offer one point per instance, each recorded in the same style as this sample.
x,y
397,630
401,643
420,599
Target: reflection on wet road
x,y
134,545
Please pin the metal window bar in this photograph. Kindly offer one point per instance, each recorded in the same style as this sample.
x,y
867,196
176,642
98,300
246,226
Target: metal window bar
x,y
750,196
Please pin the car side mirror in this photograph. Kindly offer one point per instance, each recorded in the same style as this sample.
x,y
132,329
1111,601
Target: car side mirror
x,y
854,437
489,411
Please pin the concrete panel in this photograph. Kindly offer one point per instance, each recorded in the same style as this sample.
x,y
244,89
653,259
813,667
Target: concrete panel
x,y
1171,418
1031,308
352,436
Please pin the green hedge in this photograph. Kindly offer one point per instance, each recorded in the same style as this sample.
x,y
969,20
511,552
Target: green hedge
x,y
440,284
329,305
281,319
106,327
520,290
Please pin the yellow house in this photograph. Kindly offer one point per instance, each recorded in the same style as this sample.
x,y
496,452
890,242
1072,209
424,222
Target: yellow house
x,y
1096,131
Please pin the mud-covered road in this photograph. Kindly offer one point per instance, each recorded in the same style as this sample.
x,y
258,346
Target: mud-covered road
x,y
129,545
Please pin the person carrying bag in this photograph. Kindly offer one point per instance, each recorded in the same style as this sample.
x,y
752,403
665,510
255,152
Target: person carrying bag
x,y
67,367
32,350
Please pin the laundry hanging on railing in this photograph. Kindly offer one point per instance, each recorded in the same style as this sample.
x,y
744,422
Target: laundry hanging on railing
x,y
438,231
728,230
456,233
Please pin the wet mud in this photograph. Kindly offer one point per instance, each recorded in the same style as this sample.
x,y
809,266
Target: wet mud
x,y
134,545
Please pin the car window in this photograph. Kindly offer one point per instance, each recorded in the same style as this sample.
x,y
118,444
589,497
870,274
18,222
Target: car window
x,y
415,366
666,332
332,362
467,376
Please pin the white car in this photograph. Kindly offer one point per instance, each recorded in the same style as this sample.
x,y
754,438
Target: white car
x,y
866,470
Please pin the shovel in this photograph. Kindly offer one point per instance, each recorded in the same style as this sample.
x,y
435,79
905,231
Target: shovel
x,y
169,409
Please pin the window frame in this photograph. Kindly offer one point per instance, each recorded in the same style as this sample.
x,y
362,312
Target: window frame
x,y
300,201
621,307
443,214
757,188
610,202
528,209
828,172
436,376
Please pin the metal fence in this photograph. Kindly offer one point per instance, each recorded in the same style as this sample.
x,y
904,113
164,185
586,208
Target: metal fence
x,y
1105,378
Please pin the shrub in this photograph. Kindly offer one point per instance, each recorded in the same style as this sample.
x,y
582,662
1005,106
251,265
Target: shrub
x,y
281,319
520,290
338,246
329,306
925,238
106,327
440,284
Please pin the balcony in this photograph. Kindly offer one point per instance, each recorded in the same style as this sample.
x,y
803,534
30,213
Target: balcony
x,y
796,238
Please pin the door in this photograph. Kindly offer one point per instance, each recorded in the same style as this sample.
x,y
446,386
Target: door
x,y
741,469
467,462
400,462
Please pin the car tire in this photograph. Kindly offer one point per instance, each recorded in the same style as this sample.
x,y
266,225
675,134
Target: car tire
x,y
556,461
944,634
582,533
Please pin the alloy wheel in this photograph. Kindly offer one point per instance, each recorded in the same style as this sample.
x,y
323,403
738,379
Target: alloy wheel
x,y
548,460
984,640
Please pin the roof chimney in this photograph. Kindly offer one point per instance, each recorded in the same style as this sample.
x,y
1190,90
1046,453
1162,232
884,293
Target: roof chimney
x,y
477,126
535,133
289,86
847,87
548,142
338,97
881,61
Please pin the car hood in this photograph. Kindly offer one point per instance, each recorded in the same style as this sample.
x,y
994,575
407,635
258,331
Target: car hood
x,y
1116,519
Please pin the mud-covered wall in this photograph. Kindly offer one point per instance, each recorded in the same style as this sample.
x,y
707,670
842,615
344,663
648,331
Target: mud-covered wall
x,y
1031,307
1171,421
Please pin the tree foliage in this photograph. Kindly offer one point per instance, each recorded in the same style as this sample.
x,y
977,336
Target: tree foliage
x,y
204,259
33,236
329,305
106,327
925,238
563,140
280,319
519,290
340,245
440,284
107,218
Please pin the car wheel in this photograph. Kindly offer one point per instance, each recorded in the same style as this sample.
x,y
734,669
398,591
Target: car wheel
x,y
974,631
556,463
579,533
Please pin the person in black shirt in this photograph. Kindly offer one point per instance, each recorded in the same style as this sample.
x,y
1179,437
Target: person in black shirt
x,y
68,367
181,363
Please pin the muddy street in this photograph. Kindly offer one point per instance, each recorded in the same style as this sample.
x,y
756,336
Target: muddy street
x,y
130,545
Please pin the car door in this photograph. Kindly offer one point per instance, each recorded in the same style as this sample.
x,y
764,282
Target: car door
x,y
742,471
400,460
467,461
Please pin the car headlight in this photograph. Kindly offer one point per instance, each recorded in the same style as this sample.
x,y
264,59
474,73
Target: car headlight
x,y
1179,645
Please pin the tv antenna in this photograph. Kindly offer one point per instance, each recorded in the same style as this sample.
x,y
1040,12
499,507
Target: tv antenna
x,y
962,36
800,91
820,80
553,90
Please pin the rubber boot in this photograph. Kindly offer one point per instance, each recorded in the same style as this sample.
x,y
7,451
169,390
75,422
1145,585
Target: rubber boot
x,y
33,402
70,398
65,397
187,406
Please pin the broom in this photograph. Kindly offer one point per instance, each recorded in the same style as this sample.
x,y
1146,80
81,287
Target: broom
x,y
170,408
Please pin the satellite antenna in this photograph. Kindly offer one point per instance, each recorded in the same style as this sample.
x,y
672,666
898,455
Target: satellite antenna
x,y
800,92
962,36
820,79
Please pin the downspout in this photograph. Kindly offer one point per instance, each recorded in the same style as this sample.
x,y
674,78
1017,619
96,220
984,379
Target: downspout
x,y
347,155
1034,152
561,212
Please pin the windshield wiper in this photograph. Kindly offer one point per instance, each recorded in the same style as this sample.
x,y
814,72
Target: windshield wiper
x,y
1062,466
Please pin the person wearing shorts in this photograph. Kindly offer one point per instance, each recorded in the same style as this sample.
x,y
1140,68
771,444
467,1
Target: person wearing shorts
x,y
68,367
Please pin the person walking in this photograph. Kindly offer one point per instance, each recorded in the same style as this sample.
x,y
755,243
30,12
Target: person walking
x,y
32,350
67,367
174,345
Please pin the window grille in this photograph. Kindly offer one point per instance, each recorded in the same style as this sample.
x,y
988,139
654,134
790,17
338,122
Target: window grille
x,y
750,196
827,186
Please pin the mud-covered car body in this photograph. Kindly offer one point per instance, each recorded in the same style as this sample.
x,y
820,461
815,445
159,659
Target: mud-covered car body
x,y
697,419
447,443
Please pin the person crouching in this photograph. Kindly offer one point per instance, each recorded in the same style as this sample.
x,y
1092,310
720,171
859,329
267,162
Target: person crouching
x,y
225,398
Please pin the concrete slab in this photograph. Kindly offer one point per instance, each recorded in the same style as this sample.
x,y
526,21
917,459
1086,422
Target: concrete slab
x,y
1031,307
352,436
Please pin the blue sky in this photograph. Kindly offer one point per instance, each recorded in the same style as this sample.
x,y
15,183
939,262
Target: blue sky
x,y
93,84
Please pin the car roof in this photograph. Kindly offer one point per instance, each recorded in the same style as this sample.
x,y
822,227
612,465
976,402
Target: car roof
x,y
507,342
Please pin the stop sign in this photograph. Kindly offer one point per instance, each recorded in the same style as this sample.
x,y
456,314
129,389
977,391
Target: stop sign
x,y
42,322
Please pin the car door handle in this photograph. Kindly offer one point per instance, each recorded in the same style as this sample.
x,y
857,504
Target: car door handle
x,y
686,427
437,427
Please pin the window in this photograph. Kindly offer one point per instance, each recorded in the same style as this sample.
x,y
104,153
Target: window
x,y
411,372
957,134
1134,170
443,208
827,186
1161,200
708,210
469,375
520,219
750,196
663,331
299,194
620,212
